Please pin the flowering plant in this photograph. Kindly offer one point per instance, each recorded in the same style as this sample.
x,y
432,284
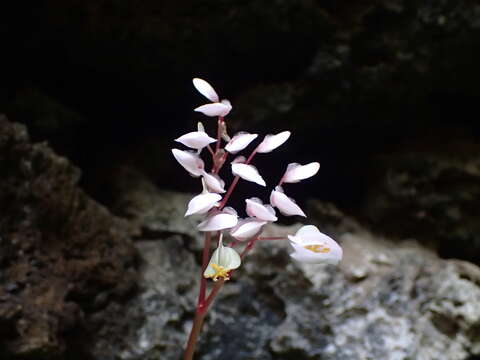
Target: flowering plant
x,y
308,245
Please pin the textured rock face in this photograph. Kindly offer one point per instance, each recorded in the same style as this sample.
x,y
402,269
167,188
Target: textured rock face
x,y
430,196
383,302
62,256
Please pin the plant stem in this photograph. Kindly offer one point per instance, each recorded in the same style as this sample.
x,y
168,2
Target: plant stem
x,y
235,181
205,258
200,314
272,238
229,192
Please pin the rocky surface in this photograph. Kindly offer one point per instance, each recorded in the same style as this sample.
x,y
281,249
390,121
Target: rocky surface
x,y
432,196
377,91
63,257
384,301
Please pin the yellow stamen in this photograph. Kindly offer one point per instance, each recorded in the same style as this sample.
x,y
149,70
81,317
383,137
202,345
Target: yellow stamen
x,y
317,248
220,272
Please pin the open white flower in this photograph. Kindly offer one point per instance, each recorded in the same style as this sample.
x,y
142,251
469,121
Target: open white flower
x,y
257,209
271,142
247,172
239,142
214,183
246,228
296,172
313,247
217,107
284,204
223,260
196,140
218,220
202,203
190,161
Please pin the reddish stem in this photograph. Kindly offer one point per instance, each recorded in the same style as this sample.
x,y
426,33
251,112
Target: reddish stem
x,y
200,314
249,247
229,192
205,258
219,133
235,181
272,238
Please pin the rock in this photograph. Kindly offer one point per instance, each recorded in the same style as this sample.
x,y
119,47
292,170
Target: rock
x,y
387,300
62,255
432,196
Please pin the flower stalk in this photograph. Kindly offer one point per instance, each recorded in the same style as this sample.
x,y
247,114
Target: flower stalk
x,y
308,244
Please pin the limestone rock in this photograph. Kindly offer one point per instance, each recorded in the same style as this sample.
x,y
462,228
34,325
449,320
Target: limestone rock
x,y
384,301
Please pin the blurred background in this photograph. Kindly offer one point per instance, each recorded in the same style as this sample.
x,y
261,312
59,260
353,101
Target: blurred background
x,y
383,93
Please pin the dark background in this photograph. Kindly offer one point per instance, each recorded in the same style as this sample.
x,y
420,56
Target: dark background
x,y
384,94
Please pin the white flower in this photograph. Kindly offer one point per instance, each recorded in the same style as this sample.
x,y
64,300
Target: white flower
x,y
239,142
205,89
217,107
271,142
223,260
214,183
247,228
202,203
313,247
296,172
256,208
196,140
190,161
247,172
218,220
285,204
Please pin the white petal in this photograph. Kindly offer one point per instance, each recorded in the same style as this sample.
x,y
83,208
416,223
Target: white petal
x,y
218,221
200,204
205,89
239,159
196,140
228,105
214,183
223,256
226,257
247,228
297,172
271,142
257,209
285,204
325,252
239,142
214,109
248,172
190,161
230,210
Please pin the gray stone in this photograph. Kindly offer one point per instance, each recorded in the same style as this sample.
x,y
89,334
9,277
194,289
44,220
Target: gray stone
x,y
384,301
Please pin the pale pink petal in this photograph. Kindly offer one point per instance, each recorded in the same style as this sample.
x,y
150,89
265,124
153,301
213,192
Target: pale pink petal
x,y
218,221
248,172
260,211
239,159
230,210
285,204
313,247
271,142
239,142
247,228
190,161
297,172
214,109
205,89
196,140
214,183
202,203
